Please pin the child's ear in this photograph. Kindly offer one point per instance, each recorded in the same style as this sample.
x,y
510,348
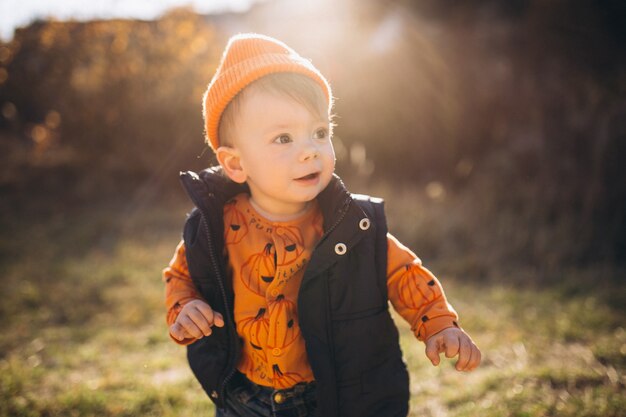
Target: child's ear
x,y
229,160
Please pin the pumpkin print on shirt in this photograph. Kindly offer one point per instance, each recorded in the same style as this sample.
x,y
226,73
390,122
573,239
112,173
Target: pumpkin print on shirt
x,y
258,271
268,263
289,244
285,379
284,329
255,330
415,286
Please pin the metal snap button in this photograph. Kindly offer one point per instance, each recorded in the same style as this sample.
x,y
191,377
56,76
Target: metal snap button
x,y
214,394
279,398
341,248
364,224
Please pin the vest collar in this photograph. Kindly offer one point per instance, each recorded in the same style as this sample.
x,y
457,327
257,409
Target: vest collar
x,y
211,188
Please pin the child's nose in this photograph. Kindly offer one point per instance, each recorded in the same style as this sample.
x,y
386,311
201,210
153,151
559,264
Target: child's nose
x,y
310,151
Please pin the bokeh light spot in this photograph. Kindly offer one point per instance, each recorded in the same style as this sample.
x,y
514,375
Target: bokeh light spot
x,y
435,190
40,134
358,154
9,111
53,119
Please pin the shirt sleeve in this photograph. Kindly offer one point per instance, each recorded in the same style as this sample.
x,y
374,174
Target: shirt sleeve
x,y
179,288
416,293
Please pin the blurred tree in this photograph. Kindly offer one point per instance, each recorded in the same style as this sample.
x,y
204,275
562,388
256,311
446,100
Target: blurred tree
x,y
127,93
521,103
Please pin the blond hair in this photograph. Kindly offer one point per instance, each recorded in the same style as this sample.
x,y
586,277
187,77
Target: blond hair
x,y
297,87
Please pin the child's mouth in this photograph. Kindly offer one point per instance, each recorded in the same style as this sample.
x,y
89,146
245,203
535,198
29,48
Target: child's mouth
x,y
309,177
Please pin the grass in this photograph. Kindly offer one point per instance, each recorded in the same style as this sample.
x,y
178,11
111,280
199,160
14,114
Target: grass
x,y
83,331
542,356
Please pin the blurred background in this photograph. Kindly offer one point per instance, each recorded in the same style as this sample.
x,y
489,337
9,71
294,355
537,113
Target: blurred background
x,y
495,131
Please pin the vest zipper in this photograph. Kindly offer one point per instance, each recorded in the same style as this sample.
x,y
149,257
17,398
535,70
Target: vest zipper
x,y
231,373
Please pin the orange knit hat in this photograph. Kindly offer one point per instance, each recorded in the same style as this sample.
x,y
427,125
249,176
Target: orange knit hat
x,y
248,57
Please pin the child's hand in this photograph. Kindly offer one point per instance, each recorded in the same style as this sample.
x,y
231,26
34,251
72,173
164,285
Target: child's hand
x,y
453,342
195,321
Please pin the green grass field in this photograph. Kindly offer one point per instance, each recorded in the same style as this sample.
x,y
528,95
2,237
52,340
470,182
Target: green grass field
x,y
83,331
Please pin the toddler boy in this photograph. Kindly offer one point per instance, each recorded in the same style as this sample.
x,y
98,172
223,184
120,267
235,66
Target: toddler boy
x,y
280,286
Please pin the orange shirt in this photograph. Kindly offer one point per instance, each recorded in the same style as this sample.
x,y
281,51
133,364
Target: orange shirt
x,y
267,260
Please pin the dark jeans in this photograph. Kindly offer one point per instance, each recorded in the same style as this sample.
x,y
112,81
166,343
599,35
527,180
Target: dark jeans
x,y
247,399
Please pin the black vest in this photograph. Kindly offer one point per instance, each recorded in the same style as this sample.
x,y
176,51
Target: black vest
x,y
351,340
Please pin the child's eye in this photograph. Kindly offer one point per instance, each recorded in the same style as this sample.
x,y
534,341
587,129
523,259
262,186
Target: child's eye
x,y
282,139
321,133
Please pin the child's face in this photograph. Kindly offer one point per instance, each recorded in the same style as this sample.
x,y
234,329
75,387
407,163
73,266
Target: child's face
x,y
284,151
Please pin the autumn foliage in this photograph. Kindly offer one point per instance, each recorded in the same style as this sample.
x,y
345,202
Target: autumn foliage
x,y
512,113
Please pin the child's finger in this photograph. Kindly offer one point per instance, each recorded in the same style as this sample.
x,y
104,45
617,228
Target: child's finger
x,y
218,320
177,331
186,334
200,320
212,316
451,345
465,354
432,351
475,360
190,327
